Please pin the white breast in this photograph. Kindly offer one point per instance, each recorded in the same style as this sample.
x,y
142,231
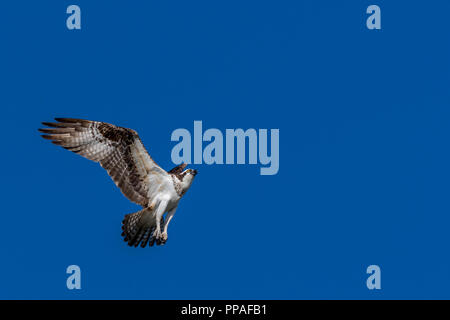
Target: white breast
x,y
161,187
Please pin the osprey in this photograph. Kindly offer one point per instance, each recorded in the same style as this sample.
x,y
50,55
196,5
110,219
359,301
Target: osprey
x,y
121,152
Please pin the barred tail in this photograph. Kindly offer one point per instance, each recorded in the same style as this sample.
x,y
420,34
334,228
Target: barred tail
x,y
137,230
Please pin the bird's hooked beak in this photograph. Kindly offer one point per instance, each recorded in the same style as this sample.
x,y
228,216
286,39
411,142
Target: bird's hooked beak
x,y
194,172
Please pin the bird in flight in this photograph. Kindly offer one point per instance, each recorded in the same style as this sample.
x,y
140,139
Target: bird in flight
x,y
120,151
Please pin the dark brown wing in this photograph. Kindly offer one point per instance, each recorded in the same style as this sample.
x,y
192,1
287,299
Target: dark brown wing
x,y
118,150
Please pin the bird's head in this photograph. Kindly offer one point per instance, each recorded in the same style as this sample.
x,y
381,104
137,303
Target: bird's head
x,y
186,178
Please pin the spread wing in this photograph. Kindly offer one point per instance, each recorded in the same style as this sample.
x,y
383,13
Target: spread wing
x,y
118,150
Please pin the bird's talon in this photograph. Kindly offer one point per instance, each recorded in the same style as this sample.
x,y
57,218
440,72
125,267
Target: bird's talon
x,y
157,235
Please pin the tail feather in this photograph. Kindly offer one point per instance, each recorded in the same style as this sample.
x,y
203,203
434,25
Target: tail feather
x,y
146,237
137,230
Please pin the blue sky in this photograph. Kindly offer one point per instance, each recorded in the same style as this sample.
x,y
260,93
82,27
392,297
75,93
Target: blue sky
x,y
363,118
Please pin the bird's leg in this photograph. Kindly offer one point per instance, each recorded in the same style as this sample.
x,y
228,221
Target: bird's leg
x,y
159,213
169,217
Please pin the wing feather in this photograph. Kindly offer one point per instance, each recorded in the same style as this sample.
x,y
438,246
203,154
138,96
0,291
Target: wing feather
x,y
118,150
